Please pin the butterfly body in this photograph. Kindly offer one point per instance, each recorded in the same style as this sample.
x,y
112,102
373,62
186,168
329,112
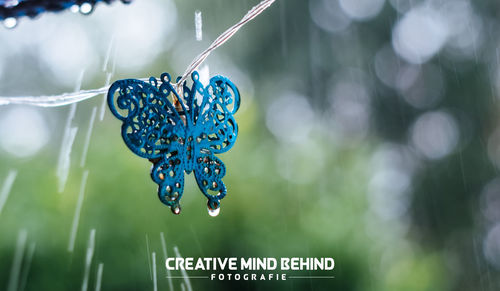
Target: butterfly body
x,y
182,135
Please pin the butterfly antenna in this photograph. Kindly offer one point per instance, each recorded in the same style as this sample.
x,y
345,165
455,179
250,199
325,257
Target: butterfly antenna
x,y
180,110
177,101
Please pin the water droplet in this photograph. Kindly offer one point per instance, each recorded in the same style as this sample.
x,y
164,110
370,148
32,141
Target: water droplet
x,y
176,209
11,3
10,22
86,8
74,8
213,212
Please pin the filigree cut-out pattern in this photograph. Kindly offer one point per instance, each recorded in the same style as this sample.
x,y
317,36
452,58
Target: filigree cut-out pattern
x,y
179,134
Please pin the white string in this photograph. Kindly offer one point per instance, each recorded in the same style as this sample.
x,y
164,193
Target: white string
x,y
224,37
77,96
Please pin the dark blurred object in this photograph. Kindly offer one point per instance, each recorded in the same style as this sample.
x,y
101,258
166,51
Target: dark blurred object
x,y
31,8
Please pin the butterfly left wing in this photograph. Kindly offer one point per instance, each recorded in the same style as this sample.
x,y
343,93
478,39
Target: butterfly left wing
x,y
150,121
153,129
168,173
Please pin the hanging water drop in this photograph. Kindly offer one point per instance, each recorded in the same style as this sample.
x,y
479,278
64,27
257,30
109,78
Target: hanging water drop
x,y
11,3
74,8
213,207
86,8
176,209
10,22
213,212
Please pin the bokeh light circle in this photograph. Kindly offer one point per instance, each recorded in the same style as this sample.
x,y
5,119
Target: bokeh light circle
x,y
23,131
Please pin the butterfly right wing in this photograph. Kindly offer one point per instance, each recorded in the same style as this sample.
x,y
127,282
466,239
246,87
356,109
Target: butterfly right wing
x,y
151,125
215,122
209,171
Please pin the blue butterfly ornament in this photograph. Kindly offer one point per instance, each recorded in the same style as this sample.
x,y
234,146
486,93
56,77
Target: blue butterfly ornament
x,y
179,134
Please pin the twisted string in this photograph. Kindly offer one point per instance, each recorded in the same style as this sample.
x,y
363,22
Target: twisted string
x,y
254,12
77,96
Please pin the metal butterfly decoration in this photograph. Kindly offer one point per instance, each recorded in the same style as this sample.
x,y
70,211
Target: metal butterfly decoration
x,y
179,135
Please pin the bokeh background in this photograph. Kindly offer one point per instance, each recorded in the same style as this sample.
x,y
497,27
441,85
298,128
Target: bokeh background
x,y
369,132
